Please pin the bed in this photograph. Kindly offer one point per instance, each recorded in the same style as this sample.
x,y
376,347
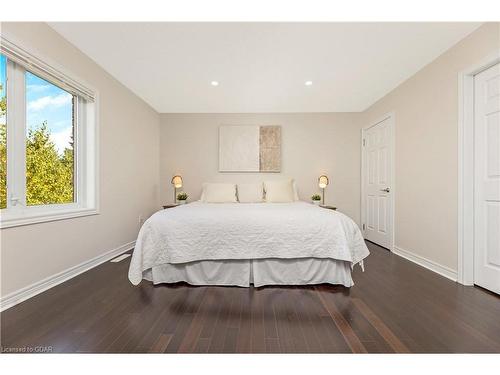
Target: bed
x,y
241,244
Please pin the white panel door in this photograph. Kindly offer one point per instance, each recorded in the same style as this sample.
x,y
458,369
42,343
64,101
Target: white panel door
x,y
487,179
377,183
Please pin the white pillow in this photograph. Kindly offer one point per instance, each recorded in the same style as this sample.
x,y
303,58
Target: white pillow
x,y
279,191
218,193
250,193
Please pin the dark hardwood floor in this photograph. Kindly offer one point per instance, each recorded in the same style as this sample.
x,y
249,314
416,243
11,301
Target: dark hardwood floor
x,y
395,306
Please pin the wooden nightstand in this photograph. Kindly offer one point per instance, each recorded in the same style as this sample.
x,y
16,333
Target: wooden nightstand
x,y
329,207
169,206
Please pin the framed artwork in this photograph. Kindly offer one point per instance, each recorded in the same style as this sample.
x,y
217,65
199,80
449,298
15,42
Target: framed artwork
x,y
249,148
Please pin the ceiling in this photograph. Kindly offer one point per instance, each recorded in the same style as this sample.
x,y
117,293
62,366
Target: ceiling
x,y
262,67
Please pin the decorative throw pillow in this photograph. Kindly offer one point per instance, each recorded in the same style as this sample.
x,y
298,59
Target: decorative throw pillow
x,y
250,193
279,191
218,193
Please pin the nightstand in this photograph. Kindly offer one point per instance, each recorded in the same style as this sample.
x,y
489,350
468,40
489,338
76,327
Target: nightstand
x,y
329,207
169,206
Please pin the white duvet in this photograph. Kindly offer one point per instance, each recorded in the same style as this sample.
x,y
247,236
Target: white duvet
x,y
217,231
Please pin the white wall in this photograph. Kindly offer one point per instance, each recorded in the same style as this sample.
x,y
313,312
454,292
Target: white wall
x,y
129,165
426,109
312,144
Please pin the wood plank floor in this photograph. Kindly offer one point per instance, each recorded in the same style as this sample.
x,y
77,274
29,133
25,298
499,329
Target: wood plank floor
x,y
395,306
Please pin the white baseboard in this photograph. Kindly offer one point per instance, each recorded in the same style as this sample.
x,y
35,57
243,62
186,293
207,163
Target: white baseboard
x,y
424,262
32,290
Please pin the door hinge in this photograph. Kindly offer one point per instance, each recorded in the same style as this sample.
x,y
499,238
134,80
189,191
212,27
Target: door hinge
x,y
363,226
364,142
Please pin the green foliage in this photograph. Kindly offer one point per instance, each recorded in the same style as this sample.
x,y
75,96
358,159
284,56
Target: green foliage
x,y
49,176
182,196
3,104
316,197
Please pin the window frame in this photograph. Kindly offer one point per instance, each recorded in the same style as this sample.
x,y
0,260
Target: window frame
x,y
85,130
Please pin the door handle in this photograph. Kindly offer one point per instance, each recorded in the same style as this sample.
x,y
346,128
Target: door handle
x,y
387,190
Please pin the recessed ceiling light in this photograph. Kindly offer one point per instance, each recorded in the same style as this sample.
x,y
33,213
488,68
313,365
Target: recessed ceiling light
x,y
214,83
308,83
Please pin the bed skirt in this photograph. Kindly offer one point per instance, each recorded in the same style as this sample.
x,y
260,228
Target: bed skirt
x,y
258,272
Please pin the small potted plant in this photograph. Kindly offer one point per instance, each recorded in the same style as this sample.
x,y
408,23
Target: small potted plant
x,y
316,199
182,197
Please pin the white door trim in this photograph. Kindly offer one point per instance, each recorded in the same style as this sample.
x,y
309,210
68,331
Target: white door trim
x,y
465,239
392,116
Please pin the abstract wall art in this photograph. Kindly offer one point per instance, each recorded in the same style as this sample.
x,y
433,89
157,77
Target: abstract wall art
x,y
249,148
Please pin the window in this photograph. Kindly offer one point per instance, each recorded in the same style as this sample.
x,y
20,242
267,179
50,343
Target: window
x,y
49,143
48,168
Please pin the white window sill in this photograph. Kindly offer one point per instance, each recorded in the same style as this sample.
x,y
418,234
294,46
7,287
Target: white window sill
x,y
17,218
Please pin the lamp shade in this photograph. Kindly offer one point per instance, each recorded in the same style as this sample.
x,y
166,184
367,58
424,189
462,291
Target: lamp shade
x,y
177,181
323,181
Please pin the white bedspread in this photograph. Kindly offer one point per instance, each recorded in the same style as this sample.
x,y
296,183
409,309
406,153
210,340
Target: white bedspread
x,y
216,231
